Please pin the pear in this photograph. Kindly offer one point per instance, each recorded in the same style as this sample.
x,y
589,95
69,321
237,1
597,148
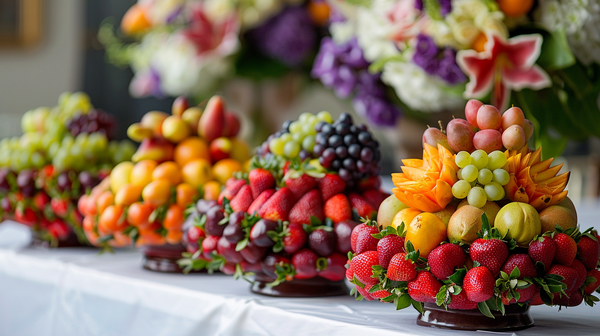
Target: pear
x,y
212,121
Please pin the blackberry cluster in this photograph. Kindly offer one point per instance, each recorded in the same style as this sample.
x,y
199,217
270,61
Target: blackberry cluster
x,y
95,121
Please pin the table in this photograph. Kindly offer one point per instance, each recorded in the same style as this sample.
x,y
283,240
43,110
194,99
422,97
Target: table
x,y
76,291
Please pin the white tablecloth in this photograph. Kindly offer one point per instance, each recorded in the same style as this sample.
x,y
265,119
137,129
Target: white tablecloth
x,y
75,291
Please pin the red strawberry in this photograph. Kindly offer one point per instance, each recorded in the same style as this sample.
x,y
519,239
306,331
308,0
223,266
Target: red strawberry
x,y
40,200
373,182
308,206
232,187
335,268
278,206
566,249
387,247
366,242
248,267
444,259
349,271
270,261
59,206
536,299
521,261
338,209
525,294
363,267
260,180
301,185
209,244
364,293
242,200
331,185
58,229
479,284
400,268
589,252
581,274
490,253
543,250
424,287
295,239
363,208
25,216
379,294
286,167
305,264
461,302
570,276
260,200
572,300
374,197
591,287
357,230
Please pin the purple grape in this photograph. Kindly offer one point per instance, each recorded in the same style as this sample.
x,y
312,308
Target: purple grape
x,y
345,118
335,141
329,154
304,155
324,163
321,138
362,127
318,149
213,216
354,150
336,165
354,130
350,139
366,154
342,129
25,178
327,129
285,128
63,182
364,138
4,185
87,181
362,167
345,174
341,152
319,125
349,164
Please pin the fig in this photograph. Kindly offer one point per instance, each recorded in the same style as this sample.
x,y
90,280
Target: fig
x,y
519,221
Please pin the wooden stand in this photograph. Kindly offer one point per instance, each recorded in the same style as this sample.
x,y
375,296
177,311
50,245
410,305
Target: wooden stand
x,y
516,318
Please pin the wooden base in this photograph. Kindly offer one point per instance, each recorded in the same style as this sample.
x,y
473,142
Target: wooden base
x,y
163,258
516,318
315,287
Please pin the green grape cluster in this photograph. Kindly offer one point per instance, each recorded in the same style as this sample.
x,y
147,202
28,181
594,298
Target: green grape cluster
x,y
298,136
481,177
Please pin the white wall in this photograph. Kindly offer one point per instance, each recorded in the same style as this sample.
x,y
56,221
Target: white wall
x,y
37,76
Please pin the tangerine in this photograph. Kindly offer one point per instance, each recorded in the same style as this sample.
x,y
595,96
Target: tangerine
x,y
173,237
174,217
515,8
105,199
112,219
128,194
139,213
141,174
190,149
224,169
167,171
196,172
405,215
185,194
212,189
157,193
426,231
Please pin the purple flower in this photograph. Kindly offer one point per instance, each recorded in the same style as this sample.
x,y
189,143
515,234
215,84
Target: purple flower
x,y
426,54
445,7
370,84
419,4
344,82
377,110
352,55
449,71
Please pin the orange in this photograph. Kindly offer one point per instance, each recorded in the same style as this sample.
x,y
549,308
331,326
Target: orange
x,y
134,21
515,8
405,215
141,174
83,205
157,192
186,194
88,223
190,149
167,171
150,238
139,213
319,12
174,237
105,199
113,219
120,240
479,42
128,194
92,237
174,217
426,231
212,189
224,169
196,172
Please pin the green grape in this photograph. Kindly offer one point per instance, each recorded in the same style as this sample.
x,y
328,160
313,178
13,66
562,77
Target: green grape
x,y
477,197
461,189
325,116
308,128
47,140
485,176
497,160
64,98
463,159
298,137
308,143
286,137
14,160
295,127
24,159
291,149
78,102
470,173
37,160
501,176
479,158
67,142
276,146
459,174
494,191
4,143
304,117
53,149
4,158
27,122
76,150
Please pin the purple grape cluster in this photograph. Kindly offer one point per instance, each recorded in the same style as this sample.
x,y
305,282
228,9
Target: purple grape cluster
x,y
436,61
95,121
348,149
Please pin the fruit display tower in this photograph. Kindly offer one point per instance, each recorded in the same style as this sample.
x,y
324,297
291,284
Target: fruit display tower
x,y
63,153
287,222
183,157
474,236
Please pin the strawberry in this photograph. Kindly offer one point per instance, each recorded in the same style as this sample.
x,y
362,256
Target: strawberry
x,y
572,300
490,253
523,263
357,230
295,238
59,206
479,284
366,242
424,287
58,229
592,286
536,299
543,250
260,200
331,185
581,274
373,182
379,294
525,294
338,209
305,264
570,277
444,259
25,216
374,197
301,185
286,167
308,206
363,208
566,249
389,246
364,293
349,271
589,252
40,200
232,187
461,302
363,267
278,206
209,244
400,268
335,268
242,200
270,261
260,180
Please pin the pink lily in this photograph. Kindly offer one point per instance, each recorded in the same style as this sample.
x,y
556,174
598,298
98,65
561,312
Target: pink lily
x,y
505,65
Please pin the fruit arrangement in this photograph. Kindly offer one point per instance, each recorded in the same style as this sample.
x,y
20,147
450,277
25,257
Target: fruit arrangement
x,y
183,157
473,227
63,153
290,217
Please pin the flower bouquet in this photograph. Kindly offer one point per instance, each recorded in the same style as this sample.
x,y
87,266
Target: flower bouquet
x,y
63,153
474,235
430,56
182,157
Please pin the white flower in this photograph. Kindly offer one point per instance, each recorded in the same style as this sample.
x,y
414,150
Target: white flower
x,y
418,90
